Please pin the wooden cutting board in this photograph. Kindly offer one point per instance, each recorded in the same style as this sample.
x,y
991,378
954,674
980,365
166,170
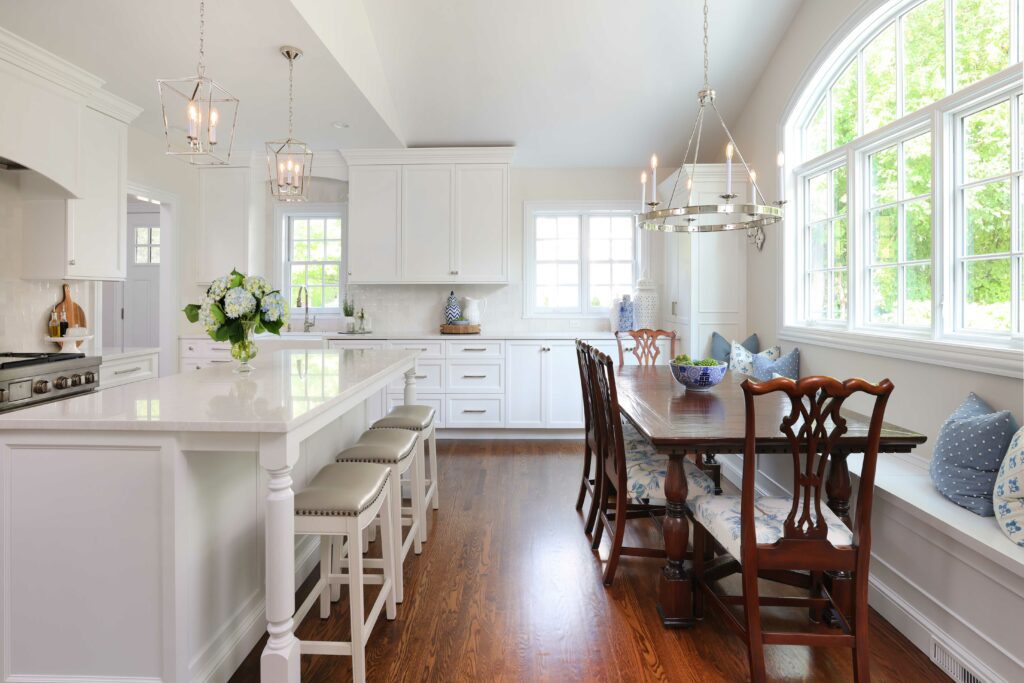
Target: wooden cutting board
x,y
73,312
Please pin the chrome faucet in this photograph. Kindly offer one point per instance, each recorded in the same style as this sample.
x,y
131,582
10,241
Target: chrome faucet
x,y
307,324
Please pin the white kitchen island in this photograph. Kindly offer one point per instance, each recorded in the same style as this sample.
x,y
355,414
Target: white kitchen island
x,y
132,519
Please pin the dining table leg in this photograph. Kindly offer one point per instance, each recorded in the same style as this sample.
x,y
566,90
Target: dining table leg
x,y
676,585
839,489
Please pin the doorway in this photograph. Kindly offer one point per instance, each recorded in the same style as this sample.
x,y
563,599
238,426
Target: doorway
x,y
131,309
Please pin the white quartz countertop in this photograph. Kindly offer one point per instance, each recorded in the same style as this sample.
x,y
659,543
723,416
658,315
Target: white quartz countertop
x,y
454,337
286,389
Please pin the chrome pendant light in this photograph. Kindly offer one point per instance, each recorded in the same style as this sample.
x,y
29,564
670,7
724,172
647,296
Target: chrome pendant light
x,y
681,214
290,162
199,115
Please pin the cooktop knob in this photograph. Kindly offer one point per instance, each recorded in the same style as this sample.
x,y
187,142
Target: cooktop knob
x,y
90,377
41,387
60,383
76,380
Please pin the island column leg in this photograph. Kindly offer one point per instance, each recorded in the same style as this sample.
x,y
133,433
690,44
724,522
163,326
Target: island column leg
x,y
410,386
281,656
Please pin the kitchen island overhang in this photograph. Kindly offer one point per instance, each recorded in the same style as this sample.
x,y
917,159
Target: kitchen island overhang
x,y
134,517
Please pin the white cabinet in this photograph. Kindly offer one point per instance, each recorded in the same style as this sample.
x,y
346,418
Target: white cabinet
x,y
544,385
222,238
428,211
129,369
375,218
428,215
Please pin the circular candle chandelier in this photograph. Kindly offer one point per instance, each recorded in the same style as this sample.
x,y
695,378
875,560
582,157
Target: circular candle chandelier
x,y
289,161
730,214
195,109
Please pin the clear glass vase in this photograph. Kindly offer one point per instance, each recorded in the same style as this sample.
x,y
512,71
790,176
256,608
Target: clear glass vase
x,y
245,350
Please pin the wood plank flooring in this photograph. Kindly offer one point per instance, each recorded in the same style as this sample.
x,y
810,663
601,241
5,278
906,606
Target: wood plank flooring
x,y
507,589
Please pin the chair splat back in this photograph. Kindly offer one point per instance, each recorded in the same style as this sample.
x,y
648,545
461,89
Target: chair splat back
x,y
645,345
813,428
606,414
583,359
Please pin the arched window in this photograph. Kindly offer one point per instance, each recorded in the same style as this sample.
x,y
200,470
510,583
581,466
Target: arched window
x,y
906,146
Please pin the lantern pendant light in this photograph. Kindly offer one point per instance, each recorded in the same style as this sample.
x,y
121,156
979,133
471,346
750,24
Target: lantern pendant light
x,y
681,215
199,115
290,162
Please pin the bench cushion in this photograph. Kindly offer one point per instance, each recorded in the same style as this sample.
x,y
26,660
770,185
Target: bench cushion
x,y
382,446
1008,495
720,515
646,474
412,417
342,490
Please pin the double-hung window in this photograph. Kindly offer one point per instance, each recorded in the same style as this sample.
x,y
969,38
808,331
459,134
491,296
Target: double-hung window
x,y
907,161
579,258
314,259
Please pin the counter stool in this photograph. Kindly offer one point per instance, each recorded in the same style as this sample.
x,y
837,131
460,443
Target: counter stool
x,y
419,419
340,503
396,449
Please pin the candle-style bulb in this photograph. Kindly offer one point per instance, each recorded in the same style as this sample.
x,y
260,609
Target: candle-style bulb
x,y
728,151
654,161
643,177
781,159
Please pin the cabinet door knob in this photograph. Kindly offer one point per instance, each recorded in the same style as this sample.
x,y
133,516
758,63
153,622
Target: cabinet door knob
x,y
71,262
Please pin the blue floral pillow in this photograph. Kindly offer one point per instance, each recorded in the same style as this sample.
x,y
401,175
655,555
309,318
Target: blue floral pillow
x,y
968,453
741,360
787,366
1008,495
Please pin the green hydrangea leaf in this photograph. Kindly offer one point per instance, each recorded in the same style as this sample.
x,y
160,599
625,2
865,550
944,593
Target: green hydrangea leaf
x,y
192,313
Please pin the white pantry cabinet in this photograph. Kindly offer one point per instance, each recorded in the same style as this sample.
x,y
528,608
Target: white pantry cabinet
x,y
222,238
375,205
428,215
543,385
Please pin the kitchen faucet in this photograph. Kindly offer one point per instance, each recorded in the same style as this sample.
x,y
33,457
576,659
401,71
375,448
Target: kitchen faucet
x,y
307,324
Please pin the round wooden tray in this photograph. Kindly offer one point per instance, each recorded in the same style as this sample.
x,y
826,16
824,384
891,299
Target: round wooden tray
x,y
460,329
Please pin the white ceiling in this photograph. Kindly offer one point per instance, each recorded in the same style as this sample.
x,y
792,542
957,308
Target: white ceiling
x,y
571,83
131,43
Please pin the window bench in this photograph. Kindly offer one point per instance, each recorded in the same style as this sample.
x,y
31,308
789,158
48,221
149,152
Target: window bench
x,y
945,577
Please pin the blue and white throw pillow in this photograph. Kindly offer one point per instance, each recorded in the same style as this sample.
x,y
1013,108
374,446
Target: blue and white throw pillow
x,y
741,360
968,453
721,348
1008,495
787,366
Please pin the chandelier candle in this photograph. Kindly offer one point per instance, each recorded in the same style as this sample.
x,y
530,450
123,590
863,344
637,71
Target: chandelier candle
x,y
728,169
781,161
654,179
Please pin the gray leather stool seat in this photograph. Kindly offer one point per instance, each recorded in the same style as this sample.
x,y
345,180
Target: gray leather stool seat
x,y
342,490
416,418
383,446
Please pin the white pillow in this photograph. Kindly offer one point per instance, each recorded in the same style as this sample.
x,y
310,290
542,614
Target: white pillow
x,y
1008,495
742,361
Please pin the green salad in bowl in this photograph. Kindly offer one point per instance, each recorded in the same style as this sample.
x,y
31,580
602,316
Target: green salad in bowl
x,y
697,375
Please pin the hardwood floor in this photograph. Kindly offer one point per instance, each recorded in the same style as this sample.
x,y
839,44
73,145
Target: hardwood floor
x,y
507,589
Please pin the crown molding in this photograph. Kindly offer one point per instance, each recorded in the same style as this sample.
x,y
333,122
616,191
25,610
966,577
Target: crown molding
x,y
429,155
35,60
113,106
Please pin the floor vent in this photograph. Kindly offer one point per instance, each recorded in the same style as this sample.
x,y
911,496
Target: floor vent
x,y
952,665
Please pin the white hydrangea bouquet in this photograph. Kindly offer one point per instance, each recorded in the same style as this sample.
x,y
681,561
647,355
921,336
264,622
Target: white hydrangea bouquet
x,y
235,308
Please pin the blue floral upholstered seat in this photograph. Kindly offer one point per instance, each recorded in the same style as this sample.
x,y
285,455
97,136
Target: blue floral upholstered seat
x,y
720,515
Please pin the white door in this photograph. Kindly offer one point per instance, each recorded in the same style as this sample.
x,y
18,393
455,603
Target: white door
x,y
374,221
481,222
142,286
428,198
563,394
525,376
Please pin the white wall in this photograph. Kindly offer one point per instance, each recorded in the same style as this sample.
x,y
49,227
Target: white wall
x,y
925,394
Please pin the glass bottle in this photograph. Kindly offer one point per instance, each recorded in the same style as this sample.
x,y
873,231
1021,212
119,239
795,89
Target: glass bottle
x,y
63,323
54,326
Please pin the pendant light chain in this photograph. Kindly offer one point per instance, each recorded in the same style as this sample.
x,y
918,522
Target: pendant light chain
x,y
202,38
707,83
291,70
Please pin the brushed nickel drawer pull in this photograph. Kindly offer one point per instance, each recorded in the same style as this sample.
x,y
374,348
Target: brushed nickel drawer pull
x,y
474,377
474,410
220,361
128,371
420,376
473,349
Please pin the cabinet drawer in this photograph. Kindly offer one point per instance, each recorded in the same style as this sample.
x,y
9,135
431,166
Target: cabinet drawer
x,y
127,370
204,348
428,348
429,378
475,349
435,401
475,378
474,411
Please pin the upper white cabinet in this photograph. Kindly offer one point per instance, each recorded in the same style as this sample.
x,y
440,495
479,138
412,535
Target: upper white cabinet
x,y
375,203
705,288
428,215
223,235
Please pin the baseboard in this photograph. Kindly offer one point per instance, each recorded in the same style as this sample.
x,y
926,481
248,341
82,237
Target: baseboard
x,y
224,654
46,678
732,469
507,434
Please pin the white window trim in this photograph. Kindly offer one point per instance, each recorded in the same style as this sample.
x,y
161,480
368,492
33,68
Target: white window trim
x,y
280,278
530,211
939,345
149,245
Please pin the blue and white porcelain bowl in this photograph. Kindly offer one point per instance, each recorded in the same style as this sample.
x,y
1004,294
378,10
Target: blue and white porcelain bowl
x,y
699,377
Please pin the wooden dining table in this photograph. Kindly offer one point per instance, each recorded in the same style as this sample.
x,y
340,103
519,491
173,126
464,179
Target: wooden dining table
x,y
681,423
